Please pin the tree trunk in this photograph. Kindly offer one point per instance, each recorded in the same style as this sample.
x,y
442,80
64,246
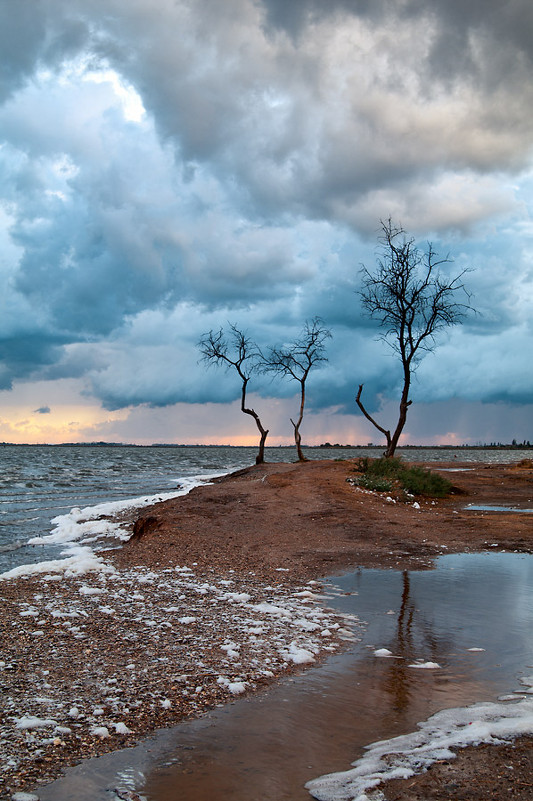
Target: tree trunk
x,y
296,426
260,458
298,441
402,418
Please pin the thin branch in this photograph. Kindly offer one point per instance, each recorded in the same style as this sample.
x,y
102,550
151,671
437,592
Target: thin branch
x,y
359,402
412,300
235,350
296,360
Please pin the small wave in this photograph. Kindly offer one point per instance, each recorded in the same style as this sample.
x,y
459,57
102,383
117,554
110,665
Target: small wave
x,y
11,546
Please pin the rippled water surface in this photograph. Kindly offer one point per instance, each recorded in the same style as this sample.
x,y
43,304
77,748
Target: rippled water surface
x,y
39,482
472,615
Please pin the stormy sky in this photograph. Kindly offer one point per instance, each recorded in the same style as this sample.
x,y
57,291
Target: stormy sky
x,y
169,166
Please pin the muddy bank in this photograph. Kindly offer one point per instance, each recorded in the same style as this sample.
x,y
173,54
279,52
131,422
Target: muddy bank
x,y
308,518
485,773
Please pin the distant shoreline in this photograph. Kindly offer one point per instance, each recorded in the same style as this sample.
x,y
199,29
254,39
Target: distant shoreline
x,y
519,446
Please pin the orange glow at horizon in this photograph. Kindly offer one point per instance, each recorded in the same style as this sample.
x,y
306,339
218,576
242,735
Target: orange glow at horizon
x,y
61,411
67,424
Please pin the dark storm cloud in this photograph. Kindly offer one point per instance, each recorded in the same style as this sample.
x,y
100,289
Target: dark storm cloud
x,y
313,129
29,36
504,34
252,188
23,354
295,16
505,28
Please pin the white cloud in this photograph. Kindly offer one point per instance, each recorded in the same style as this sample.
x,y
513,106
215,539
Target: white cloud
x,y
167,170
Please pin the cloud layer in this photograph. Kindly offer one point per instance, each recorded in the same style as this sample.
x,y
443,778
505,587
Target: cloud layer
x,y
167,169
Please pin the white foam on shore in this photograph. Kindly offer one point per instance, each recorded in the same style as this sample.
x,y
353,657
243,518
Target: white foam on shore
x,y
80,527
129,671
404,756
79,559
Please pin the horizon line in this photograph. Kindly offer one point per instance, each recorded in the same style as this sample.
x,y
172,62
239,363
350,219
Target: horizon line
x,y
324,445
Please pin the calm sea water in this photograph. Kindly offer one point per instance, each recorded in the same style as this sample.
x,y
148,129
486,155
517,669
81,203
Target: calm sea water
x,y
40,482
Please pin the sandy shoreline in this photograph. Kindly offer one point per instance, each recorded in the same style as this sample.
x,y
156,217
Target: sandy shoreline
x,y
211,598
93,663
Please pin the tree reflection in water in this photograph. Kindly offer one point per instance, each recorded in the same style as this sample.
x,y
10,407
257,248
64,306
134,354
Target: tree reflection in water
x,y
414,639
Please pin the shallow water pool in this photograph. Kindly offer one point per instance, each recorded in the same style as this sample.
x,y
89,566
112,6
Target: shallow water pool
x,y
472,616
481,508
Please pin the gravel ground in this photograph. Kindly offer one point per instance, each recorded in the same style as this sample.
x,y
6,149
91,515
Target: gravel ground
x,y
91,663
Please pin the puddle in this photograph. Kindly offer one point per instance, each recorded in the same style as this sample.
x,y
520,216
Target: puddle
x,y
473,508
453,469
472,616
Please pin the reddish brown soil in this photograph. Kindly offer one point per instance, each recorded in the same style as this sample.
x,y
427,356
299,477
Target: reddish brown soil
x,y
485,773
307,518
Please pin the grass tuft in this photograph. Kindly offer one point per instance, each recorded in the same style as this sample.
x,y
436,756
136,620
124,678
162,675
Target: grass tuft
x,y
375,484
382,475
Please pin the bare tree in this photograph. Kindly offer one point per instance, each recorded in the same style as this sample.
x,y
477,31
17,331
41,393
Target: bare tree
x,y
413,301
295,361
234,349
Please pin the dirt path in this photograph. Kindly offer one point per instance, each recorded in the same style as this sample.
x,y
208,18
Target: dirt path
x,y
310,519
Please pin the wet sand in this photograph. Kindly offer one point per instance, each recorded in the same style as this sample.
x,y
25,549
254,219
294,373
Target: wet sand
x,y
306,519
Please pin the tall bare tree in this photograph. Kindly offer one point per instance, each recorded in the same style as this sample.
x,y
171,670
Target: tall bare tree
x,y
295,361
234,349
413,301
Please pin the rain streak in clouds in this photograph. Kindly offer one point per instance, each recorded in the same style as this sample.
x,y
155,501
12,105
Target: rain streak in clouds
x,y
168,167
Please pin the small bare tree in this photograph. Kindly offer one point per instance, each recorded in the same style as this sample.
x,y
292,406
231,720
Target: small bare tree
x,y
234,349
413,301
295,361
